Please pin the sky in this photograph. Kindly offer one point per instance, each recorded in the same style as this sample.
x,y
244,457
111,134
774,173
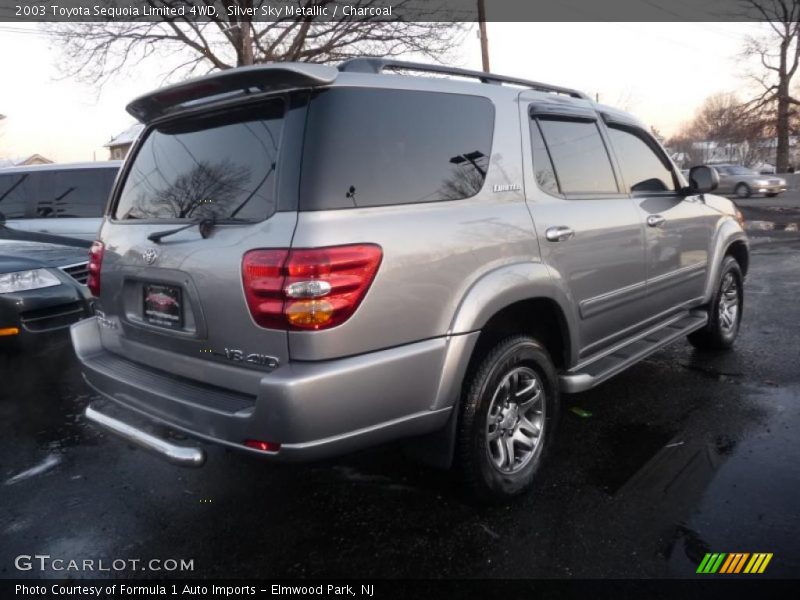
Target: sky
x,y
661,72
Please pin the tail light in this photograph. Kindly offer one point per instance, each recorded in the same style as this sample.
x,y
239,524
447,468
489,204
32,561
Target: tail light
x,y
95,263
308,288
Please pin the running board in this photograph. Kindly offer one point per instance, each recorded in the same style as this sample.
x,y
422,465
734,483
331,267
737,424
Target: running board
x,y
597,369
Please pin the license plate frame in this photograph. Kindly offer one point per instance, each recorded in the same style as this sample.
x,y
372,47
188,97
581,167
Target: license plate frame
x,y
162,305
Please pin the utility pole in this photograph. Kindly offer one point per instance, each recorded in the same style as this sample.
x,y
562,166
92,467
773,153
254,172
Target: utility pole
x,y
484,38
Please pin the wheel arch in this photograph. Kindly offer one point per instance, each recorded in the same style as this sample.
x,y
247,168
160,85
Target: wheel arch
x,y
520,298
730,240
740,252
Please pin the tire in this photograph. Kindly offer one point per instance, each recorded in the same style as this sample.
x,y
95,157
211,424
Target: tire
x,y
743,191
488,427
723,327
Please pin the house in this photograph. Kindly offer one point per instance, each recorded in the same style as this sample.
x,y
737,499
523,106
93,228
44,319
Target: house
x,y
768,150
119,145
711,152
22,161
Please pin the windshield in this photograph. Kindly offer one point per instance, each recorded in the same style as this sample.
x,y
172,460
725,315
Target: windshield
x,y
220,165
742,171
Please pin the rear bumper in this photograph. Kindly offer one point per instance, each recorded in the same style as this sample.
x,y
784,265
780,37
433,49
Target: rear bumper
x,y
313,410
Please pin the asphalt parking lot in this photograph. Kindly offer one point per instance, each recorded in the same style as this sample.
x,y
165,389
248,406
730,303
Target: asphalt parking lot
x,y
683,454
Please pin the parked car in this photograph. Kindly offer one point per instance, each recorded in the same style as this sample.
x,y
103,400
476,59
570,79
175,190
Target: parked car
x,y
348,257
765,169
61,199
744,182
42,292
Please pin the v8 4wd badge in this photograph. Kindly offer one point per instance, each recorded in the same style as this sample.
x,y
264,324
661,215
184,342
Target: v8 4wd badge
x,y
261,360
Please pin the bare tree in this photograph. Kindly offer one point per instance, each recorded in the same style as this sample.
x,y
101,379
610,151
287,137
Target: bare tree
x,y
778,56
723,119
94,52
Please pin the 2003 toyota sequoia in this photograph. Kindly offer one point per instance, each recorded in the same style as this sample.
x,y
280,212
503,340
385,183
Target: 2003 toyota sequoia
x,y
300,260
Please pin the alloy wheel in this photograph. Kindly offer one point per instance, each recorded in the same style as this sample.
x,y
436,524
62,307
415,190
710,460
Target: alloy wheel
x,y
515,421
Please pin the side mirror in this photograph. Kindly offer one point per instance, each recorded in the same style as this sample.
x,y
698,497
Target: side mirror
x,y
702,180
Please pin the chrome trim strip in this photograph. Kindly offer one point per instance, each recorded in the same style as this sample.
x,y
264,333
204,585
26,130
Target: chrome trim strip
x,y
682,274
77,264
612,299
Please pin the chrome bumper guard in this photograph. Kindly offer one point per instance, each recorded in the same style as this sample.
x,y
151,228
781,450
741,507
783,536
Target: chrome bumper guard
x,y
180,455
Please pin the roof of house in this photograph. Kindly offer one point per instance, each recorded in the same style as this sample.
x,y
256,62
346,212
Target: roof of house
x,y
126,137
18,161
99,164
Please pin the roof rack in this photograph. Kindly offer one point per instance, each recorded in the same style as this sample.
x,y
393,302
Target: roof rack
x,y
378,65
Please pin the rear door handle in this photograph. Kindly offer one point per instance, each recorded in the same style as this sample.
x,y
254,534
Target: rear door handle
x,y
655,220
558,234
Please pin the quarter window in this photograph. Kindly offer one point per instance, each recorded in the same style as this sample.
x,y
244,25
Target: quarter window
x,y
642,169
374,147
542,165
580,158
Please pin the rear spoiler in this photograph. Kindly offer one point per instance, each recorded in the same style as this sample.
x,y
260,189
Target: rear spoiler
x,y
276,76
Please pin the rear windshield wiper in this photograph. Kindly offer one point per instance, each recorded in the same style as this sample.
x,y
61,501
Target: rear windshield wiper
x,y
205,225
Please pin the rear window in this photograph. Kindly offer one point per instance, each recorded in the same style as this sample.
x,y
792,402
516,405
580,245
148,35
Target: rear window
x,y
220,165
371,147
49,194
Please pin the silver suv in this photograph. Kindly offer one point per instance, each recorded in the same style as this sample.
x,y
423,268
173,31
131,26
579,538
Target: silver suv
x,y
300,261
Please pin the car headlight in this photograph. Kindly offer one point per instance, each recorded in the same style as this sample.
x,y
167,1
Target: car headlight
x,y
20,281
762,182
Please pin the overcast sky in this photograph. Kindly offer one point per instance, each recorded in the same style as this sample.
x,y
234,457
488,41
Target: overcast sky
x,y
659,71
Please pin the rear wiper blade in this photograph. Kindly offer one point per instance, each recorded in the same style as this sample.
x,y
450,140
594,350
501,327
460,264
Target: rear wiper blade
x,y
206,226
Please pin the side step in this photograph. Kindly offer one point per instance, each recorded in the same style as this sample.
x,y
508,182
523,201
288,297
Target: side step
x,y
597,369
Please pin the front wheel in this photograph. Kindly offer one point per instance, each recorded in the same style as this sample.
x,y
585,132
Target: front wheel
x,y
724,311
743,191
508,416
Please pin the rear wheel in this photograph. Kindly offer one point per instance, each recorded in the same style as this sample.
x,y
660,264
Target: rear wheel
x,y
724,311
509,412
743,191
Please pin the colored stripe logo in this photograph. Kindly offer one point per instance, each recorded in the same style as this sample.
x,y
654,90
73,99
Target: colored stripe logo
x,y
734,563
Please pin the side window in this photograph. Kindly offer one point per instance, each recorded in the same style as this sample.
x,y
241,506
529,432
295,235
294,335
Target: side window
x,y
643,169
374,147
15,192
73,193
542,165
580,158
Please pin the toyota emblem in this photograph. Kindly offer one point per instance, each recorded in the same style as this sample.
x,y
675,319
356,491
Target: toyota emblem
x,y
150,255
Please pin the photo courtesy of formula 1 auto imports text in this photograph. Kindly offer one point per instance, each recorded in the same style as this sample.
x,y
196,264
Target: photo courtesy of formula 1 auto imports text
x,y
399,299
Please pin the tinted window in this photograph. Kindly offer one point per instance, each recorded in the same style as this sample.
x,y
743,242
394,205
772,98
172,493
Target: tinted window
x,y
542,165
367,147
642,168
579,156
220,165
16,189
56,193
72,193
741,171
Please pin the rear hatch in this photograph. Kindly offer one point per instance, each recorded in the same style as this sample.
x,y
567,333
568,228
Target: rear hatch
x,y
170,288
